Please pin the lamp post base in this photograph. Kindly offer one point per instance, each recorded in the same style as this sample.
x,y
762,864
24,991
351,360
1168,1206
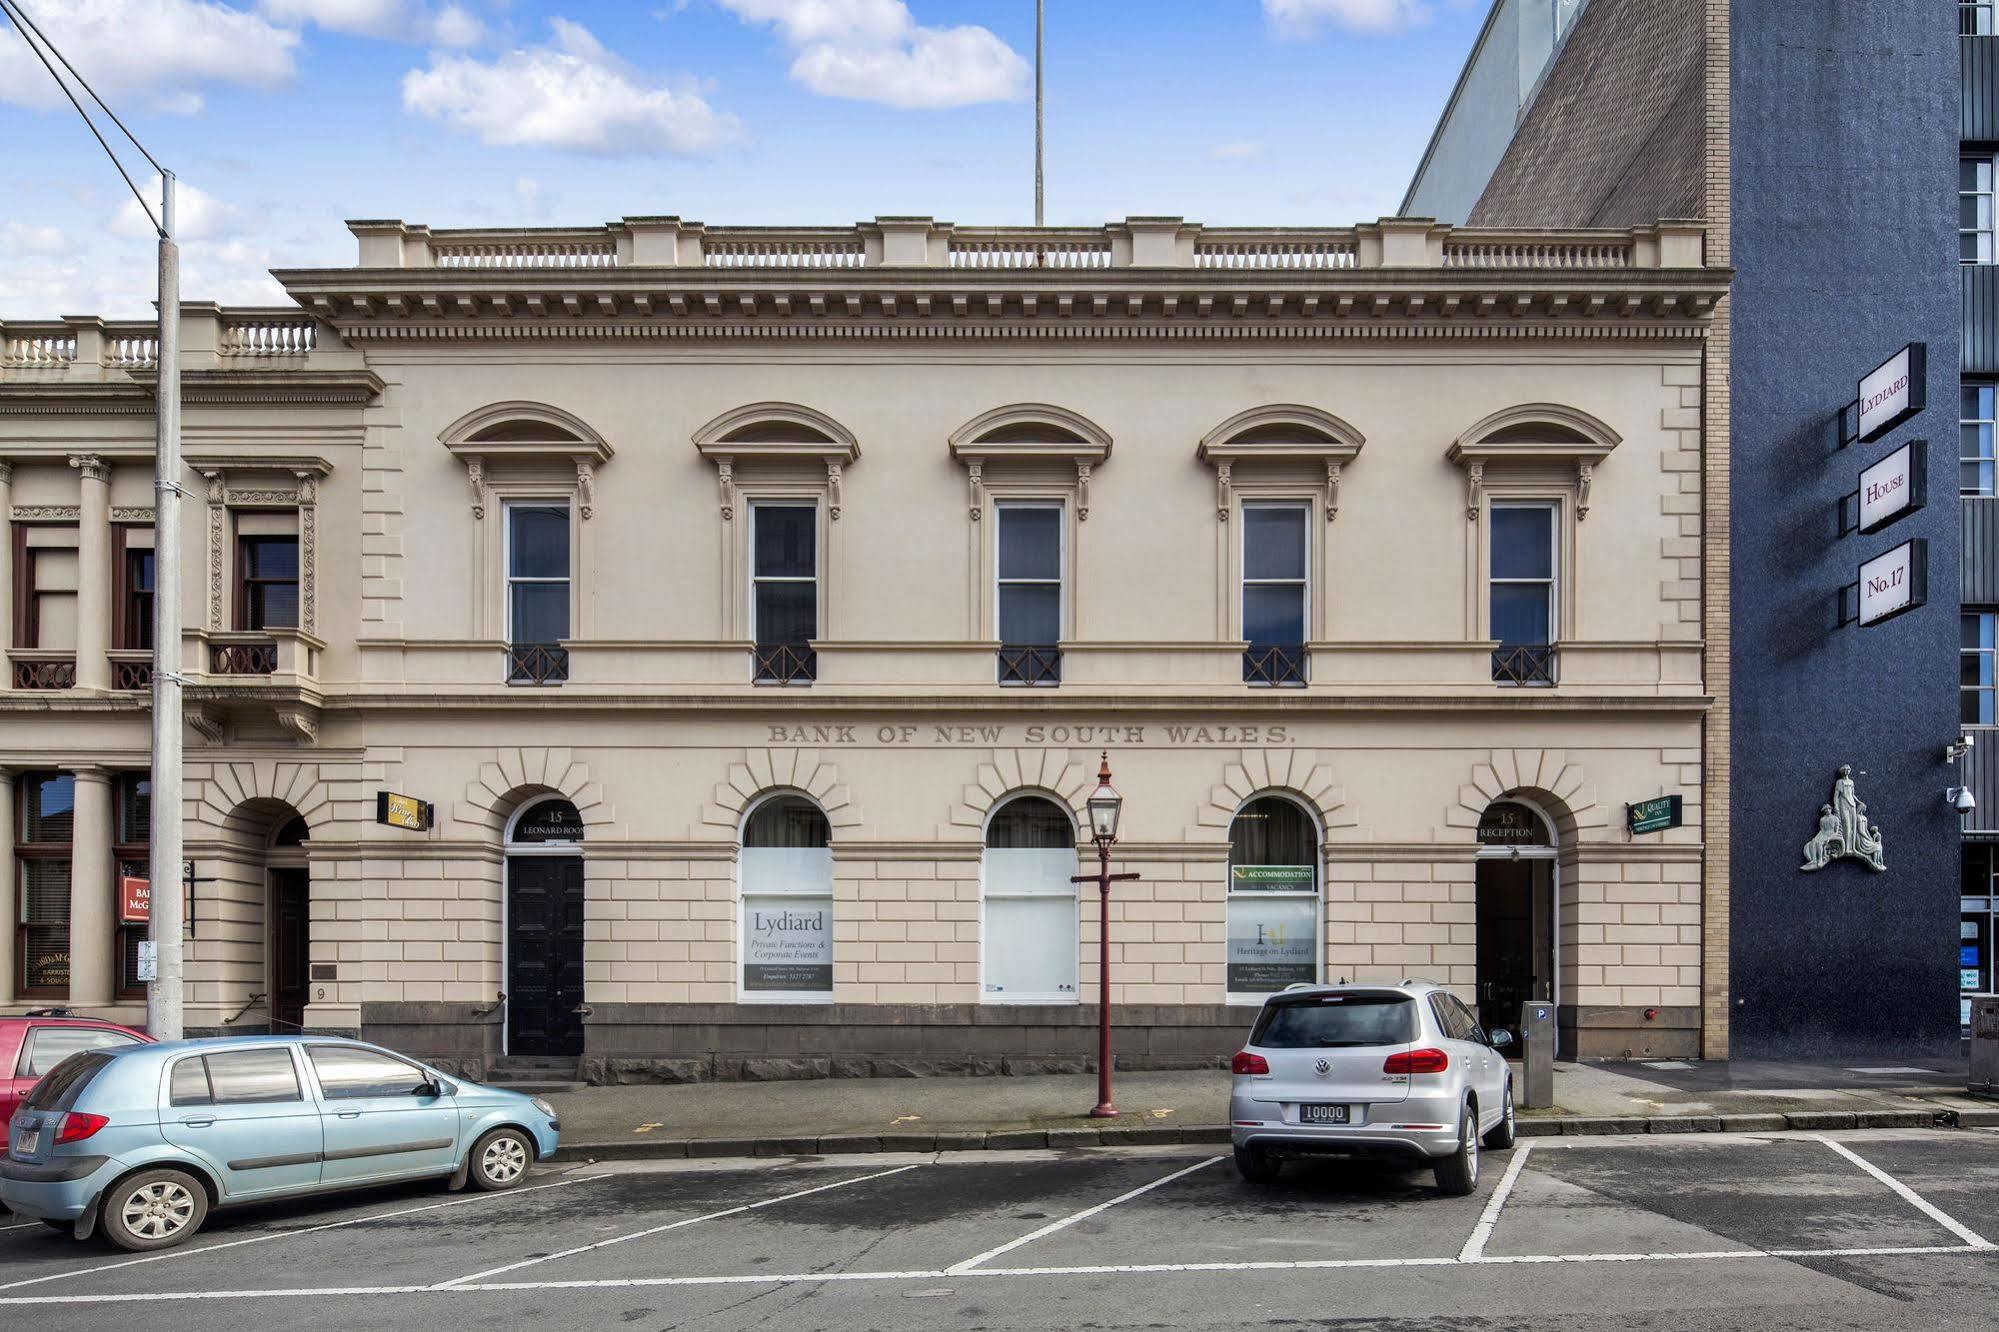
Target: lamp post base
x,y
1104,1110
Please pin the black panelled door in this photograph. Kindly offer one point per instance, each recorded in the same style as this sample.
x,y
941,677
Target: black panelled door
x,y
544,955
291,948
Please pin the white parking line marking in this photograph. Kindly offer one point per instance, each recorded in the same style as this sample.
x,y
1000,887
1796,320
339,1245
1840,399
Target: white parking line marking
x,y
1083,1215
671,1225
1914,1199
1474,1248
23,1226
293,1234
998,1273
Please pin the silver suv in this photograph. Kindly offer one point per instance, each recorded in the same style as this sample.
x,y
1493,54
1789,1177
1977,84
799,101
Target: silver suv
x,y
1370,1070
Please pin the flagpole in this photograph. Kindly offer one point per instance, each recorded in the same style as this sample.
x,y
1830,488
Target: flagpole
x,y
1038,17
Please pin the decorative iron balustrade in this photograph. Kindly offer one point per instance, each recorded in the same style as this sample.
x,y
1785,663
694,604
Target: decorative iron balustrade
x,y
783,663
1274,665
45,674
1524,664
537,663
132,675
1030,664
243,658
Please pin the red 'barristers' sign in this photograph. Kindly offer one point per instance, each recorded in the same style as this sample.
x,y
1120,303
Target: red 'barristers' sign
x,y
135,900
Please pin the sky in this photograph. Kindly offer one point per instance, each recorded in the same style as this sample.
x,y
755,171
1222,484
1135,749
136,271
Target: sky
x,y
283,118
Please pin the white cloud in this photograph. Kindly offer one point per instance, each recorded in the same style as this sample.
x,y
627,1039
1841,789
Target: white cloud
x,y
1303,19
572,95
875,51
198,215
163,50
1241,151
390,20
20,238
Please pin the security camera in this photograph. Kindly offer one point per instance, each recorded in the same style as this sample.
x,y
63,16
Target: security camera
x,y
1960,799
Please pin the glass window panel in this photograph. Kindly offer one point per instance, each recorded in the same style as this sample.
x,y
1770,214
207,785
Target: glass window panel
x,y
50,803
784,540
1271,830
135,808
273,606
1978,707
1031,950
540,612
270,557
1520,614
253,1077
347,1074
1523,541
45,956
190,1083
1975,478
1032,823
1030,542
1273,616
1272,942
1273,541
552,820
1030,613
788,945
787,612
1031,871
49,1046
539,540
787,822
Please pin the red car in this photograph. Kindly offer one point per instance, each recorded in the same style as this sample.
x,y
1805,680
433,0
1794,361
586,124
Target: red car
x,y
31,1046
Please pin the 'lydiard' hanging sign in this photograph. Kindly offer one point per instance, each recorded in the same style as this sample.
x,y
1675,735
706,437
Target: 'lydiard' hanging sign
x,y
1891,393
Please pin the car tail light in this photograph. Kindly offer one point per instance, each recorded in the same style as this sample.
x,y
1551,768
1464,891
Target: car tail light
x,y
76,1126
1417,1061
1246,1064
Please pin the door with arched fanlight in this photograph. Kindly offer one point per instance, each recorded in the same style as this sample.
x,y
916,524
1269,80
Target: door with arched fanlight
x,y
544,966
1518,904
1273,911
1030,934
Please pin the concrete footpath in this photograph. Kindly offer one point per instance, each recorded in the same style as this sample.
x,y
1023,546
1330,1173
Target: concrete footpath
x,y
846,1115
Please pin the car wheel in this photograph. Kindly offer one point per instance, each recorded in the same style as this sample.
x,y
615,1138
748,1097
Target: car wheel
x,y
154,1209
1504,1132
1457,1174
1256,1165
500,1160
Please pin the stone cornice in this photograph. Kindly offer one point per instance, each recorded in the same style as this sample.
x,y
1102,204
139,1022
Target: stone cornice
x,y
132,393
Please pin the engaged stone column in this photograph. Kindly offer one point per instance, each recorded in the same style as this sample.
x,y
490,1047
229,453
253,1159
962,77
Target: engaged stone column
x,y
93,586
92,969
10,963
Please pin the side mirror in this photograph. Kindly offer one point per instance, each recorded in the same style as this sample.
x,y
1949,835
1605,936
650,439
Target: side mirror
x,y
1500,1038
435,1087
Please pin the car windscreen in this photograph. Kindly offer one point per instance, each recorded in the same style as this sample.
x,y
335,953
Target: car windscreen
x,y
1331,1020
61,1085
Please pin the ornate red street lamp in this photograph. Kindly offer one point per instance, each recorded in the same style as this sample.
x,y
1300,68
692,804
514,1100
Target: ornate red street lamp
x,y
1105,805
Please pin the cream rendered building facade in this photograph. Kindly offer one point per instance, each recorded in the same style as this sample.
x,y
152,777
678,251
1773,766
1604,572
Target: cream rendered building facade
x,y
513,521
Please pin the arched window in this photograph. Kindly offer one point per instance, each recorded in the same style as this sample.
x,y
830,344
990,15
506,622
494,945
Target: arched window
x,y
1273,929
787,903
1030,928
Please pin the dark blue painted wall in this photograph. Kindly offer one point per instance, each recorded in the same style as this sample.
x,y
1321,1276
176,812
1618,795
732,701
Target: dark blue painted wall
x,y
1844,119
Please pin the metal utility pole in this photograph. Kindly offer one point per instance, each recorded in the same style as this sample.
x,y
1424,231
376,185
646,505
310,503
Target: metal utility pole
x,y
1039,14
164,994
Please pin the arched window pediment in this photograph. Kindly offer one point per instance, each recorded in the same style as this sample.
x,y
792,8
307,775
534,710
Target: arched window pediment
x,y
1277,434
1540,432
525,432
1029,432
776,432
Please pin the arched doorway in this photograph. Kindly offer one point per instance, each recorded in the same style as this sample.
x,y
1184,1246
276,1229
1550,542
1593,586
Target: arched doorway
x,y
288,936
544,965
787,903
1518,902
1273,912
1030,936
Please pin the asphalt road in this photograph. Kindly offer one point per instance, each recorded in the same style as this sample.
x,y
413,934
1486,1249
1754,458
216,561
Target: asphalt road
x,y
1855,1230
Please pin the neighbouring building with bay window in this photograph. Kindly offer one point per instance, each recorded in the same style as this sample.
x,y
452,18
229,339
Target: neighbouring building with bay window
x,y
753,605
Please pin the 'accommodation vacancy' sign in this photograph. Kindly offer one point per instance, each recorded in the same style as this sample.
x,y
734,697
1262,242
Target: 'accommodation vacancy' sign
x,y
1895,581
1892,392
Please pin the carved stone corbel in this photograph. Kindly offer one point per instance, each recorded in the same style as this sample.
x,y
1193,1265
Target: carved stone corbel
x,y
586,487
976,471
725,477
475,477
1584,475
1224,495
207,723
1082,492
302,724
1474,490
1332,488
833,499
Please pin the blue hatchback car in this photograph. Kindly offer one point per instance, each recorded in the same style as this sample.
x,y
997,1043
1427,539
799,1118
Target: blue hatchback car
x,y
142,1141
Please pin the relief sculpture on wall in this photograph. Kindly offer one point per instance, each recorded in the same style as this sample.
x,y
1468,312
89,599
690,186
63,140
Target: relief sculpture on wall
x,y
1844,829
